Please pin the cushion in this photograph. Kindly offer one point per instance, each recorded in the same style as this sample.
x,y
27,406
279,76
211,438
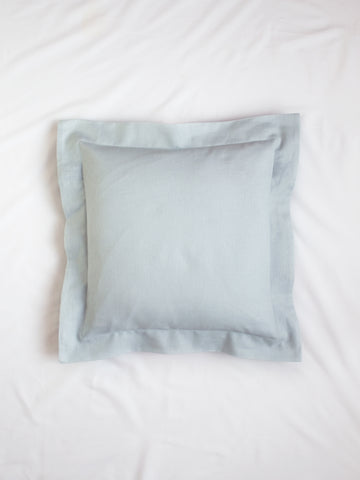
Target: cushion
x,y
178,238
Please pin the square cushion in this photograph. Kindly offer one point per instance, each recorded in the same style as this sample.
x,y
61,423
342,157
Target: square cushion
x,y
178,237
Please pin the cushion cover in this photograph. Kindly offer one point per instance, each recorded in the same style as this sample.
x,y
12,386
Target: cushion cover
x,y
178,237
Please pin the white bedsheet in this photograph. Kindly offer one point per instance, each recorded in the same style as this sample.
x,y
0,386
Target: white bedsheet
x,y
205,416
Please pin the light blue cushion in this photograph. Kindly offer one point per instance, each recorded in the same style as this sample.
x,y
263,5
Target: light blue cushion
x,y
178,237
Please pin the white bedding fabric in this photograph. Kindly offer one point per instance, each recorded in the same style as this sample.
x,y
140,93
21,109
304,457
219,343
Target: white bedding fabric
x,y
200,416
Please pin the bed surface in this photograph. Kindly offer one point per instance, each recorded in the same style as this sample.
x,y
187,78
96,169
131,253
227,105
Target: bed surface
x,y
201,416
